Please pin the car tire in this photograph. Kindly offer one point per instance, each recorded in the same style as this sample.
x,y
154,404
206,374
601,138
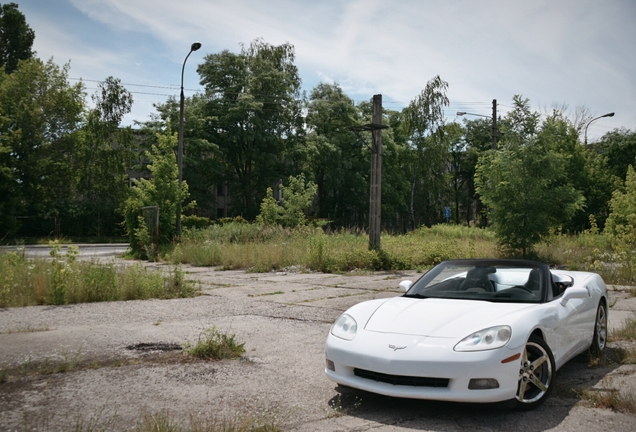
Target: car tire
x,y
599,340
537,373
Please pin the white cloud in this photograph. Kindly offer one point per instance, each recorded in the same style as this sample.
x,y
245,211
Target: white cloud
x,y
572,51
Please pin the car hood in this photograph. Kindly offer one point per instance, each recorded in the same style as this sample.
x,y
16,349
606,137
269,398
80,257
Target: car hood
x,y
441,317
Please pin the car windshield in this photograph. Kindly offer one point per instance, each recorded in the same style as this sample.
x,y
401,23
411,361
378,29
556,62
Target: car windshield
x,y
500,281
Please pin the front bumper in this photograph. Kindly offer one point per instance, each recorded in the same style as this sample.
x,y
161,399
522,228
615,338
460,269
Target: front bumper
x,y
429,358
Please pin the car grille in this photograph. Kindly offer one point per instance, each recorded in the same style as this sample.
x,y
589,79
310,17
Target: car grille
x,y
402,380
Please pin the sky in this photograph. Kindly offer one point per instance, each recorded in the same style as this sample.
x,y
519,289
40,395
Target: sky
x,y
557,53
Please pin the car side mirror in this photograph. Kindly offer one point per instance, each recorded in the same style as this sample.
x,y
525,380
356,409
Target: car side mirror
x,y
572,293
405,285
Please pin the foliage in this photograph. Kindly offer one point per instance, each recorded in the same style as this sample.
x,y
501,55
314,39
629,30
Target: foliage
x,y
619,148
65,280
193,221
104,155
161,190
425,165
253,114
16,37
264,248
203,166
214,345
290,212
39,118
335,157
621,224
523,185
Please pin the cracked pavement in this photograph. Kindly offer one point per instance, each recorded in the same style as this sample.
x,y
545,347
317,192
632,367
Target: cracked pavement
x,y
283,318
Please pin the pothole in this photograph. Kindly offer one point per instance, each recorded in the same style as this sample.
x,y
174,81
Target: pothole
x,y
155,346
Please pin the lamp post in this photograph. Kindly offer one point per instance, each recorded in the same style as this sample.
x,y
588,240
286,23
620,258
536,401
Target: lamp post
x,y
494,121
594,119
195,46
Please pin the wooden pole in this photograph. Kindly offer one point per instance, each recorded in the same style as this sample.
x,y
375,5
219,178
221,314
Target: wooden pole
x,y
375,198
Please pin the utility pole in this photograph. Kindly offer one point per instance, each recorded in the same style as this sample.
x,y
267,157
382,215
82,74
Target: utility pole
x,y
375,200
493,119
494,124
375,193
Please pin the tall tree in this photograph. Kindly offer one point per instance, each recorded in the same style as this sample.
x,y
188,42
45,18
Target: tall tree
x,y
619,147
203,166
107,151
523,185
40,114
423,118
253,115
336,161
478,138
16,37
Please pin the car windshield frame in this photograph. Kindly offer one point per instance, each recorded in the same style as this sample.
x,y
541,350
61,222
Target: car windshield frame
x,y
493,280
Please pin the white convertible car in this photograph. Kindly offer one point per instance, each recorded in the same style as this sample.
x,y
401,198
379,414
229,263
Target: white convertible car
x,y
471,331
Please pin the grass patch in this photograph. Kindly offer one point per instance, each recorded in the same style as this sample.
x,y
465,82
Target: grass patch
x,y
214,345
610,399
28,329
164,422
65,280
260,248
626,333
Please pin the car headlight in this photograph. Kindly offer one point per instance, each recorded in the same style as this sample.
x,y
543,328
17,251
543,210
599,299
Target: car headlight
x,y
487,339
345,327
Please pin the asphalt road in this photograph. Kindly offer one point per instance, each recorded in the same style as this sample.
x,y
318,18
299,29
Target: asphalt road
x,y
283,319
87,250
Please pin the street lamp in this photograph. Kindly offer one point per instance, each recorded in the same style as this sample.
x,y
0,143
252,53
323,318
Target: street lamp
x,y
590,122
494,121
195,46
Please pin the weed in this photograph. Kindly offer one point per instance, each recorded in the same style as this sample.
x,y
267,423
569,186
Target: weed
x,y
164,422
4,375
28,329
613,399
63,280
343,404
627,332
214,345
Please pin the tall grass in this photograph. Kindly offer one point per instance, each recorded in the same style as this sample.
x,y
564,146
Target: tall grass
x,y
64,280
264,248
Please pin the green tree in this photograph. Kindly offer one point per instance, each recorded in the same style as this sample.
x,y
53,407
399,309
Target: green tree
x,y
40,115
621,224
423,119
107,151
335,158
253,114
290,211
523,185
619,148
459,166
161,190
203,166
16,37
478,140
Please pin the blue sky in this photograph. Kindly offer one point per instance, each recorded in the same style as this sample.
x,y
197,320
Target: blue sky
x,y
579,53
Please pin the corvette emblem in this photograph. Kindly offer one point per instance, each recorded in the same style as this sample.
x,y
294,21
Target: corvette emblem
x,y
395,347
